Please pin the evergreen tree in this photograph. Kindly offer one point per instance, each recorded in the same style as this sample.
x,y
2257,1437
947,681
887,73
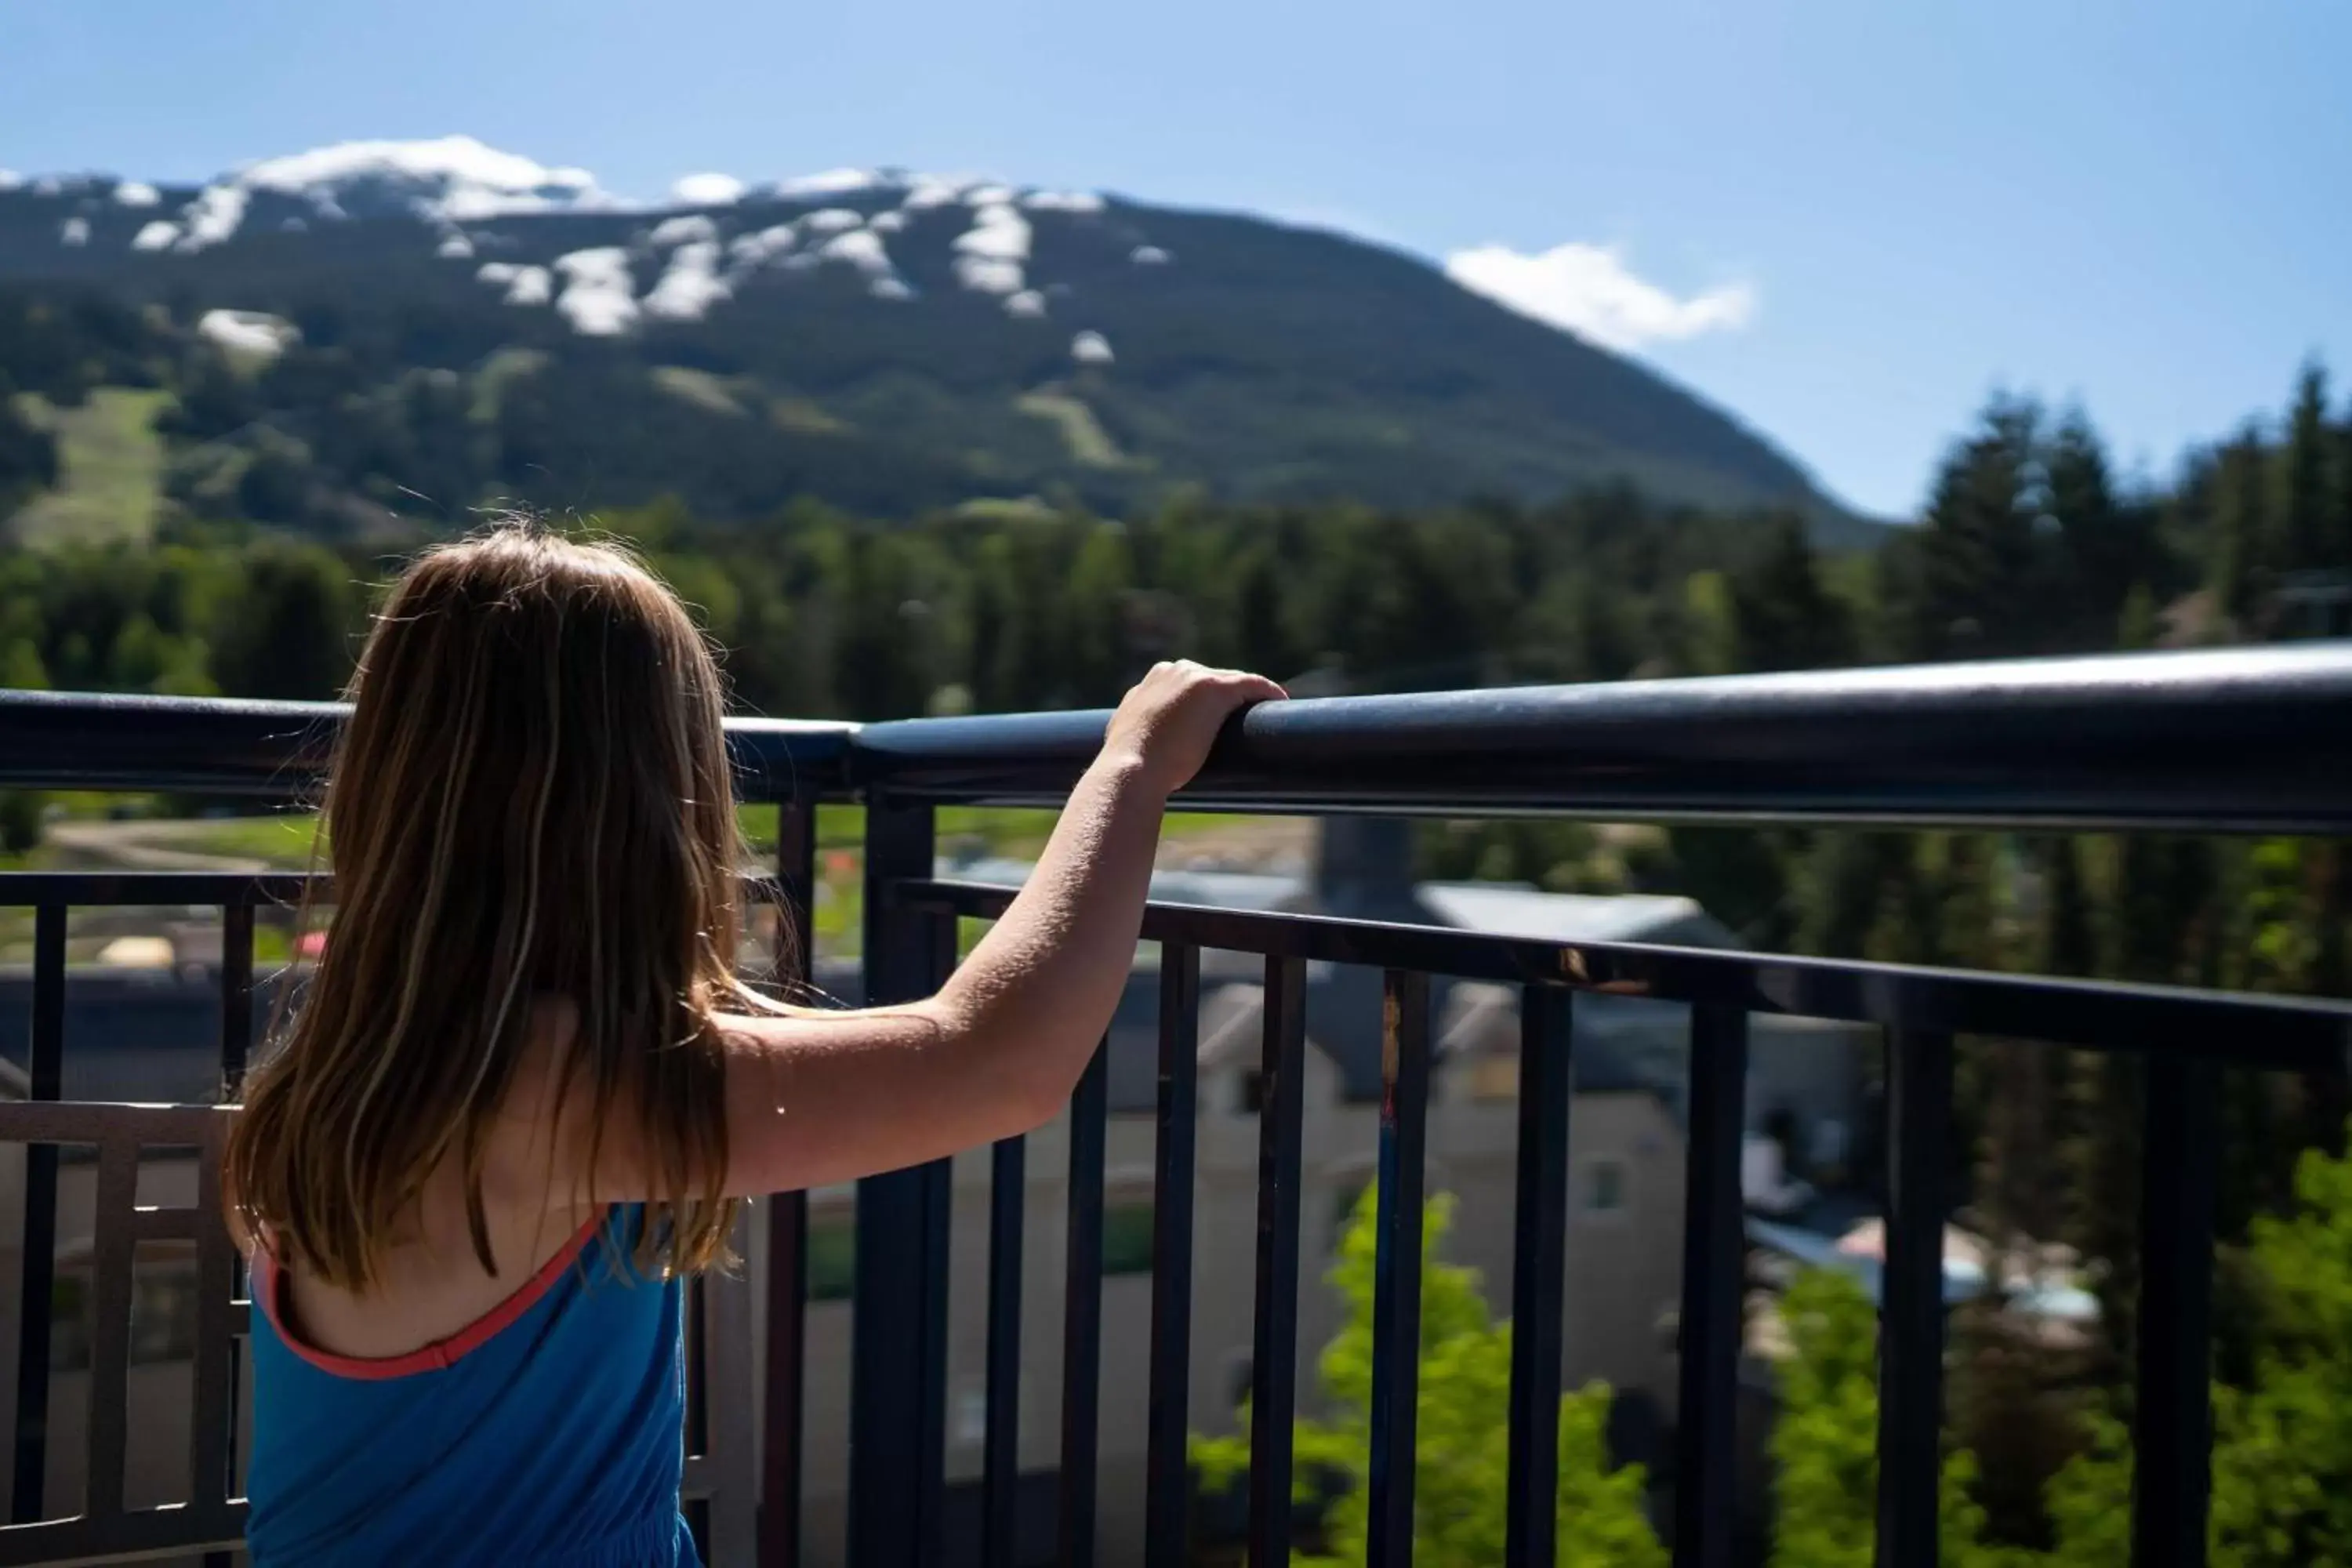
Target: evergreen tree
x,y
1783,616
2306,491
1976,575
2243,571
2107,547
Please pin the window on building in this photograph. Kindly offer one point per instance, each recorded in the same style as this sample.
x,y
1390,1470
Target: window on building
x,y
1126,1236
832,1256
1604,1187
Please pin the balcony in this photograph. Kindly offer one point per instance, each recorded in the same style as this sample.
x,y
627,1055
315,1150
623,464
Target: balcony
x,y
1225,1089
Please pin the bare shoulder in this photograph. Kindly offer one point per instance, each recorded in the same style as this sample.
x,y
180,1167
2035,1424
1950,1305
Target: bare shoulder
x,y
523,1165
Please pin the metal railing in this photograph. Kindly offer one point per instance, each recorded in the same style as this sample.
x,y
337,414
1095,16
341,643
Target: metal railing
x,y
2251,741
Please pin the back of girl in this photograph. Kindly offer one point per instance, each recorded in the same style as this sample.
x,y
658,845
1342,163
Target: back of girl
x,y
524,1089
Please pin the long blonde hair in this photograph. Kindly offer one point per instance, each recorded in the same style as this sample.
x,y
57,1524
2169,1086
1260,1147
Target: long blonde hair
x,y
532,799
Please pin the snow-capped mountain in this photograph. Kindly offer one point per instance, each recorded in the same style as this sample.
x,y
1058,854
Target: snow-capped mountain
x,y
970,336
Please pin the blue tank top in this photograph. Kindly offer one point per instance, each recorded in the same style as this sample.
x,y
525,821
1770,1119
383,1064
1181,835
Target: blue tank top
x,y
548,1435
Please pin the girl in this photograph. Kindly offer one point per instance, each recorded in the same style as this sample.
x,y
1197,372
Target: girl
x,y
524,1089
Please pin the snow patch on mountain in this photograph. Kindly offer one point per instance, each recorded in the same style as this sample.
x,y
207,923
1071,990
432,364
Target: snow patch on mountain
x,y
213,217
691,286
832,182
686,230
597,296
524,285
250,333
707,189
453,178
762,246
1063,201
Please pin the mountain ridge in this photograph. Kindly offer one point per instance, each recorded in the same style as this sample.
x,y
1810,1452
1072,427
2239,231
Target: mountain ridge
x,y
891,341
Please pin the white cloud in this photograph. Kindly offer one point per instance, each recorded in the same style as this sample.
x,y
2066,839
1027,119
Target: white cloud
x,y
156,236
707,189
989,195
455,247
887,223
74,231
1588,289
596,293
1090,348
892,288
832,182
10,179
691,228
833,220
691,286
1028,302
137,194
1149,255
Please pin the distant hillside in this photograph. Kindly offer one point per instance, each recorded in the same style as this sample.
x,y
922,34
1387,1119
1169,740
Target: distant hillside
x,y
418,327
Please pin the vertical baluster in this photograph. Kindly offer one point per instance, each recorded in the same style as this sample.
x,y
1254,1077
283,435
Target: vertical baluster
x,y
213,1427
1274,1367
1396,1266
1539,1253
1713,1243
45,1072
1168,1497
114,1252
1008,1201
1082,1314
2172,1426
1911,1316
899,1336
784,1395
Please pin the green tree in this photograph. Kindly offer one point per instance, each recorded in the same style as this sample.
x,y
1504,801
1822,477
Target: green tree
x,y
1782,616
1824,1442
1977,580
2282,1442
1461,1460
290,633
2306,494
2244,549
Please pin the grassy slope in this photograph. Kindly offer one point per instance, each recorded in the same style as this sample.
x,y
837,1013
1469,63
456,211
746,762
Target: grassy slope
x,y
112,469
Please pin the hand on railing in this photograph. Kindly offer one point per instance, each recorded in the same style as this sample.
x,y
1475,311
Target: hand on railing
x,y
1168,722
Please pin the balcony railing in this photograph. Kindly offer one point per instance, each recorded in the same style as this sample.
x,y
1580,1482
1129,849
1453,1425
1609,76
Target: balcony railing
x,y
2242,742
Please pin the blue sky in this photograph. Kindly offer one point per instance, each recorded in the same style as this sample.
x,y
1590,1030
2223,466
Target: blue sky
x,y
1847,220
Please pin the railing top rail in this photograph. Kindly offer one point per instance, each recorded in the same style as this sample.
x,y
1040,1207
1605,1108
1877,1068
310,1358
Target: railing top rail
x,y
76,740
2246,740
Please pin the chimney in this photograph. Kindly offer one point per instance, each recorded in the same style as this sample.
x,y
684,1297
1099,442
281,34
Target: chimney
x,y
1363,869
